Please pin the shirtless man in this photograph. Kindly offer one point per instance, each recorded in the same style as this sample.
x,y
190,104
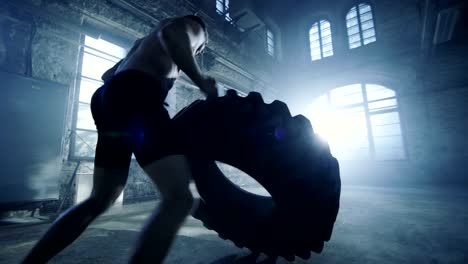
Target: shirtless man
x,y
130,118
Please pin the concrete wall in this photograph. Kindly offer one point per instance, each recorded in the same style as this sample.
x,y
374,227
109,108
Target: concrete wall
x,y
430,81
41,38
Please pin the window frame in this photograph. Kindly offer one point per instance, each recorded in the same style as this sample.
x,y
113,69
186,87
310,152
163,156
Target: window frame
x,y
318,22
225,12
273,39
372,11
369,126
76,99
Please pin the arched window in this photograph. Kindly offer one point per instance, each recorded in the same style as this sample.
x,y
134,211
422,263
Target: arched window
x,y
360,121
360,24
320,38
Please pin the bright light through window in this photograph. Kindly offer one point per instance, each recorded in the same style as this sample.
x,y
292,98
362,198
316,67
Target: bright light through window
x,y
360,121
360,25
97,56
320,38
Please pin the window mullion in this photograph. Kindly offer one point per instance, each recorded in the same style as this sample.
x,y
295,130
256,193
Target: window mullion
x,y
90,78
383,99
320,39
100,51
368,122
395,109
76,103
361,35
86,130
101,57
273,44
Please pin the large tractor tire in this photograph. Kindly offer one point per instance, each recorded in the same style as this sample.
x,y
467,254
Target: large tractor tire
x,y
280,152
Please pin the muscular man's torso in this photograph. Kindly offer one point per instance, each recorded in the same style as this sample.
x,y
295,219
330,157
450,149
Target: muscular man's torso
x,y
150,57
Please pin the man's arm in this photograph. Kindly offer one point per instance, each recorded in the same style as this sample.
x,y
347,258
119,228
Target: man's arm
x,y
179,39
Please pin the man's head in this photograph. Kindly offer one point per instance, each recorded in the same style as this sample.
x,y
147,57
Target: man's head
x,y
203,25
198,20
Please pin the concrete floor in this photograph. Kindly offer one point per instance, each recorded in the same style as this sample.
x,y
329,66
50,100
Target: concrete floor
x,y
374,225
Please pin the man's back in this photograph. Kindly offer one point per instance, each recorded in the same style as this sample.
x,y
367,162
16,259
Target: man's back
x,y
150,53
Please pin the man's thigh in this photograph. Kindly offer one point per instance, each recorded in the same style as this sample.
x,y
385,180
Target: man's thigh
x,y
171,174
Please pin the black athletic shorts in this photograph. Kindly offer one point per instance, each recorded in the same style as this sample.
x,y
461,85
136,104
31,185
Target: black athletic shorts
x,y
130,117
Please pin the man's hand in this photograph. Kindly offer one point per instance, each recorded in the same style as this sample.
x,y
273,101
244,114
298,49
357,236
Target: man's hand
x,y
208,87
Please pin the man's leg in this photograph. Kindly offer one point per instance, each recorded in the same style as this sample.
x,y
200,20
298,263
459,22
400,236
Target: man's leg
x,y
107,185
172,176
